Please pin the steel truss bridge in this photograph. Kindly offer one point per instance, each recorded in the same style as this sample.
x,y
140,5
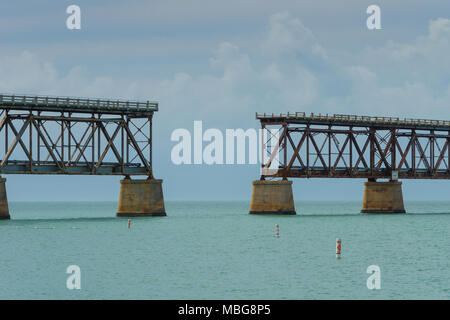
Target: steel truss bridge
x,y
63,135
346,146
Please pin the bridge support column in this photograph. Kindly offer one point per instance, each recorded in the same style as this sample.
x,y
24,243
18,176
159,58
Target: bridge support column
x,y
383,197
272,197
141,198
4,210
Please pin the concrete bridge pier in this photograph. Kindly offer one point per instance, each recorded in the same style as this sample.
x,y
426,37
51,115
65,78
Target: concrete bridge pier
x,y
4,210
272,197
141,198
383,197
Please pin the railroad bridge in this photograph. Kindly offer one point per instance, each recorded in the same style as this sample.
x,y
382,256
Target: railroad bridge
x,y
65,135
348,146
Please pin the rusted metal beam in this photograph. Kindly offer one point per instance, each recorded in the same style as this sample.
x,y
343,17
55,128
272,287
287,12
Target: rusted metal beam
x,y
377,148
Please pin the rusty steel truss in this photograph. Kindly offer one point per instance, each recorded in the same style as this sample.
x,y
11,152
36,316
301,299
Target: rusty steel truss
x,y
61,135
344,146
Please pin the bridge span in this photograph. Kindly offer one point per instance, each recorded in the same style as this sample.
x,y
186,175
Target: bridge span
x,y
67,135
349,146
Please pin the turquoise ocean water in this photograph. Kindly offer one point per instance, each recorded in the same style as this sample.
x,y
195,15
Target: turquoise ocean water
x,y
215,250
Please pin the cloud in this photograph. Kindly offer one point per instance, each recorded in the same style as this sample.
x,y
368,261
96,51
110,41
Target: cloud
x,y
29,74
288,36
293,72
404,79
25,72
423,59
440,30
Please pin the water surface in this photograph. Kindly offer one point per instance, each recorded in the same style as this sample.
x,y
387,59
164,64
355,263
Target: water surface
x,y
216,250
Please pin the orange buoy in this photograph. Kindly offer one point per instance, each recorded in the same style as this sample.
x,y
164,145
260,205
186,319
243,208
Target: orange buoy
x,y
338,248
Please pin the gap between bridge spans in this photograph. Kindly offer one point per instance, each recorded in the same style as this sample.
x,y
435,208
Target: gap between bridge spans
x,y
235,146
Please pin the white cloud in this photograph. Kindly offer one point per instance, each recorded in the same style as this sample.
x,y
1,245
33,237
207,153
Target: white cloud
x,y
25,72
440,30
405,79
288,36
235,66
427,57
293,73
29,74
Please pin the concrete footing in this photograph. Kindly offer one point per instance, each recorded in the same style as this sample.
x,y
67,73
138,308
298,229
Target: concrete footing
x,y
383,197
4,210
272,197
141,198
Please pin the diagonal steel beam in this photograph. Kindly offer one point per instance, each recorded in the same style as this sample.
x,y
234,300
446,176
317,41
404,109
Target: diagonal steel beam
x,y
17,139
94,127
405,153
385,151
108,146
296,152
324,164
294,147
382,156
113,147
3,122
22,144
54,145
77,145
49,148
441,156
341,152
361,152
136,147
275,150
422,154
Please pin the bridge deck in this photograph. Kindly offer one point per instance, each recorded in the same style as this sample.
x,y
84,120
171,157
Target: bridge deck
x,y
361,173
353,120
78,168
68,104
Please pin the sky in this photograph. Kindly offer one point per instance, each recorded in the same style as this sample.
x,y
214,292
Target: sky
x,y
222,61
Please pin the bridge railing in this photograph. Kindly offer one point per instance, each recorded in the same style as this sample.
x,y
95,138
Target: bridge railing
x,y
355,118
79,103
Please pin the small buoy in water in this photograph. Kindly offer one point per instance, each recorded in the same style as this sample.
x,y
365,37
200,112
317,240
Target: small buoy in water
x,y
129,223
338,248
277,230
